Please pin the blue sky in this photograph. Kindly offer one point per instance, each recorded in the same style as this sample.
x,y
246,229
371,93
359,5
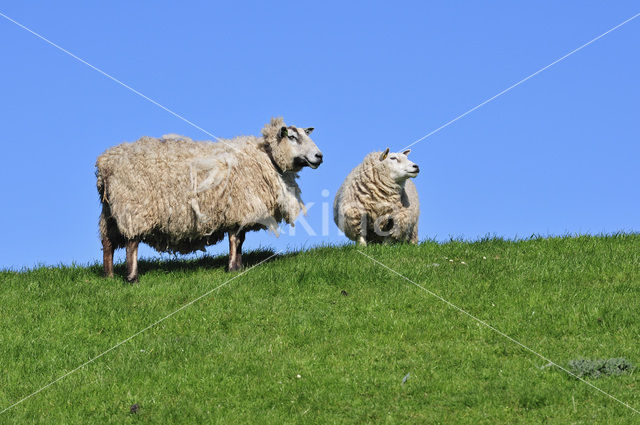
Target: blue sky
x,y
556,155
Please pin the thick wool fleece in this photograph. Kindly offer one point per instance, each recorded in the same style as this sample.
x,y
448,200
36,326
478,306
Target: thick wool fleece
x,y
371,204
178,195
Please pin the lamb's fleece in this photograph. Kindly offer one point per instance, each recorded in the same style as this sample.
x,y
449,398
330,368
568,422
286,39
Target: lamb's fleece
x,y
373,206
178,195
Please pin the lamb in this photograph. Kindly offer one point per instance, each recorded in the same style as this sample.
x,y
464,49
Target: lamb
x,y
178,195
377,202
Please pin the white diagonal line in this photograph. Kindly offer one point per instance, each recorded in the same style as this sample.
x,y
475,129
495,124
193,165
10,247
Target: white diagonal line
x,y
175,114
520,82
509,88
373,259
137,333
499,332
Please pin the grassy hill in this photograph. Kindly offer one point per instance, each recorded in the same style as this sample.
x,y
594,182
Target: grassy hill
x,y
327,336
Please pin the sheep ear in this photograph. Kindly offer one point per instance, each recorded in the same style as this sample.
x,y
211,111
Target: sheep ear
x,y
308,130
284,132
384,154
406,152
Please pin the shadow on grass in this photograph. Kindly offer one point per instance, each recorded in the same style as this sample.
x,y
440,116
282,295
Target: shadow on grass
x,y
249,259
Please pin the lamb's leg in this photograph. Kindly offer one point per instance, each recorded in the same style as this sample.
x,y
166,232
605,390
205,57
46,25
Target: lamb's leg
x,y
107,256
233,251
363,230
414,234
132,261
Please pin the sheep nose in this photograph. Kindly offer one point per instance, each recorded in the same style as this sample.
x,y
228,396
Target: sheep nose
x,y
319,156
415,167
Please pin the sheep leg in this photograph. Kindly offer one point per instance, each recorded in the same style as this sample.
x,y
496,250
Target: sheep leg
x,y
240,241
233,251
107,256
132,261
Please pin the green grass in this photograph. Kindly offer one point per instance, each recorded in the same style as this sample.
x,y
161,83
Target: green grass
x,y
234,356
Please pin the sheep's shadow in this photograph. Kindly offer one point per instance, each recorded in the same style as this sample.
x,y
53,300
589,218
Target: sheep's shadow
x,y
145,265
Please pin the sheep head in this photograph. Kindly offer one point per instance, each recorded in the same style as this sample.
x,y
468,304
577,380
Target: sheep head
x,y
398,166
291,147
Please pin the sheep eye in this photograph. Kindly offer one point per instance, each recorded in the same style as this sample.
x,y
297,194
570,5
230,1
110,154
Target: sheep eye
x,y
394,158
292,137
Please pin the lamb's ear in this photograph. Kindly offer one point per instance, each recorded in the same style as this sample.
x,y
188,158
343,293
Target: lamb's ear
x,y
308,130
284,132
384,154
406,152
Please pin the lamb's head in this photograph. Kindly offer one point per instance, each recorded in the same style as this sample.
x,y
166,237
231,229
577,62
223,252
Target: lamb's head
x,y
291,147
399,167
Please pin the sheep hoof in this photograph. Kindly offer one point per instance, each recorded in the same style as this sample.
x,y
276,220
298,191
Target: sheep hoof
x,y
235,265
132,280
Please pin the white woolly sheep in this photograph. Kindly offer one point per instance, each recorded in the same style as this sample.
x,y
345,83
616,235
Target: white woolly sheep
x,y
178,195
377,202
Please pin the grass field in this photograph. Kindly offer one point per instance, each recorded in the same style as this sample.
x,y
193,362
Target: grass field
x,y
327,336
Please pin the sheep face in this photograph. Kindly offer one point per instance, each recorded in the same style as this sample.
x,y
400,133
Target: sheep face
x,y
299,148
398,165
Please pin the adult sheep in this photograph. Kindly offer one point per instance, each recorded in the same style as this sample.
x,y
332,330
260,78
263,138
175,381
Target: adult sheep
x,y
377,202
178,195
